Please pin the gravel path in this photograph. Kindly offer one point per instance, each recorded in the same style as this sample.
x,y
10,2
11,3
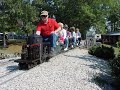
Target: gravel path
x,y
73,70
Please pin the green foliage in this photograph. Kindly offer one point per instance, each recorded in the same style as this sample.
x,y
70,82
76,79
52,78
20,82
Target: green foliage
x,y
92,50
78,13
108,51
102,52
100,81
115,67
83,14
118,44
114,15
14,11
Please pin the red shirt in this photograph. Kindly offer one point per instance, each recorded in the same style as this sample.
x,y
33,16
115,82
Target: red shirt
x,y
47,28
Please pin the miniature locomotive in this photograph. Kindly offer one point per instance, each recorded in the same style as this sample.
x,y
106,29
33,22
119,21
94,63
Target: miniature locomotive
x,y
34,52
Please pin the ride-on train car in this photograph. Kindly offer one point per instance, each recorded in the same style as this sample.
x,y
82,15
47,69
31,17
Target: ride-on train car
x,y
34,52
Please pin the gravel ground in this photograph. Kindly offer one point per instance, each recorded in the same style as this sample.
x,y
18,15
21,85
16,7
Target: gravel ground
x,y
73,70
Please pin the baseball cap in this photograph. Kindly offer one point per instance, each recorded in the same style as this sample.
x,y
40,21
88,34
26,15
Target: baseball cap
x,y
44,13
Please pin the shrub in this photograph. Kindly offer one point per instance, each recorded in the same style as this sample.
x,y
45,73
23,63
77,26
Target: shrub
x,y
115,67
98,52
107,52
92,50
118,44
102,52
99,80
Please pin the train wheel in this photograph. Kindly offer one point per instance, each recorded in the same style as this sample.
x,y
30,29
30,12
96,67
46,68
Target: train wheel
x,y
29,66
38,62
35,63
47,59
20,66
41,61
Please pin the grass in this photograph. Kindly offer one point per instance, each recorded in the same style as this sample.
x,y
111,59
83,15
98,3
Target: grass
x,y
13,47
117,50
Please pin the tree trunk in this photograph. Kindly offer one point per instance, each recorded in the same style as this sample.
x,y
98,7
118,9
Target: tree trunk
x,y
4,40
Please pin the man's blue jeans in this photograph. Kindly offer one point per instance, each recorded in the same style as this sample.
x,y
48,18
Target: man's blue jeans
x,y
52,39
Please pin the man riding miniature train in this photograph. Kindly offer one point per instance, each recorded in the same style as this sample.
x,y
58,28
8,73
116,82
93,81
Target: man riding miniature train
x,y
47,28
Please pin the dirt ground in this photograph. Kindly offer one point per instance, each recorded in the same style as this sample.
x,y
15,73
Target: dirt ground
x,y
11,49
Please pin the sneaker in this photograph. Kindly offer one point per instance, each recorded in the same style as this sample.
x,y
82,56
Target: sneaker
x,y
52,49
72,46
52,52
77,44
65,49
57,43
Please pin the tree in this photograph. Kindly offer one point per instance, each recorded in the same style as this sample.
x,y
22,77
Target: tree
x,y
27,17
114,16
4,20
17,15
23,15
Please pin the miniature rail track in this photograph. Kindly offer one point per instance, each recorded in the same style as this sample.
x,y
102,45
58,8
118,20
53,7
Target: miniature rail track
x,y
9,70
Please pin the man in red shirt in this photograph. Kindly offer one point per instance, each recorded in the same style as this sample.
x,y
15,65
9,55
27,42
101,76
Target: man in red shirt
x,y
47,28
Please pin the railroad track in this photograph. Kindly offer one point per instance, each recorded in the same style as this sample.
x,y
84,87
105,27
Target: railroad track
x,y
7,61
10,75
9,70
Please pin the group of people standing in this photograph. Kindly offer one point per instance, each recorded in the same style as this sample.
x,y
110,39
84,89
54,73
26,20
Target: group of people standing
x,y
55,33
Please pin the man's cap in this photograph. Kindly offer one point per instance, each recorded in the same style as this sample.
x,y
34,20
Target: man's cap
x,y
44,13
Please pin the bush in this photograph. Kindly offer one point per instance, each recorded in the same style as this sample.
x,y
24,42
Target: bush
x,y
115,67
107,52
102,52
98,52
92,50
118,44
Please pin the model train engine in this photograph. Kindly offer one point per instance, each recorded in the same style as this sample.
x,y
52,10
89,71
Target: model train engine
x,y
34,52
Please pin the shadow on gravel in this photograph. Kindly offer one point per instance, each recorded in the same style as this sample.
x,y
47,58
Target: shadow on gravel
x,y
12,68
98,63
103,80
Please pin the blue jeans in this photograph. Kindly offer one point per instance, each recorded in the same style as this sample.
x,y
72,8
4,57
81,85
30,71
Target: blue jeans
x,y
74,41
66,42
52,39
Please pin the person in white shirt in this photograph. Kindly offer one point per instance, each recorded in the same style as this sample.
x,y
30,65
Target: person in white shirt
x,y
73,36
61,33
66,41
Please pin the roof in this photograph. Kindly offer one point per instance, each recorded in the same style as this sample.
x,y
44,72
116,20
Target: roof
x,y
113,33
